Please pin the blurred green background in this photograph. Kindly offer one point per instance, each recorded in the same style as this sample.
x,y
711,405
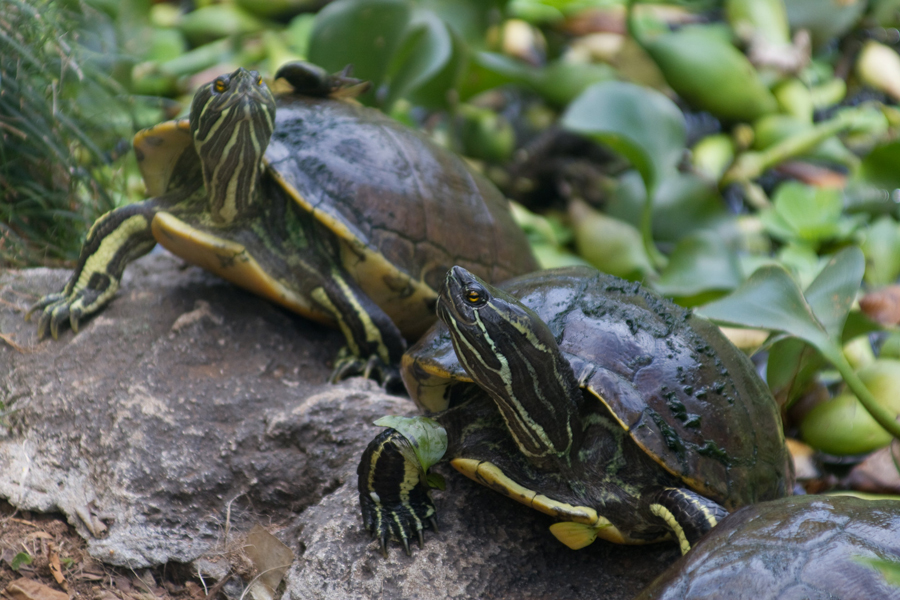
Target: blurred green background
x,y
738,156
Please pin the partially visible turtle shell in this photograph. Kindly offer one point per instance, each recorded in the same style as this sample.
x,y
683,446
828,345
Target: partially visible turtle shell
x,y
797,548
388,191
684,393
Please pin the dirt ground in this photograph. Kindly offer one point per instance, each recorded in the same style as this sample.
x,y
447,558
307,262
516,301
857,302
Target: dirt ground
x,y
61,568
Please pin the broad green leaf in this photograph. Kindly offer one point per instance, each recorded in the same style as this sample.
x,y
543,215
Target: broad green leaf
x,y
700,263
440,91
832,293
879,167
427,438
639,123
882,249
426,49
364,33
811,213
792,365
770,299
705,69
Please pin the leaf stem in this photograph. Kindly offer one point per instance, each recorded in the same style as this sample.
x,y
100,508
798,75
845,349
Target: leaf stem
x,y
884,417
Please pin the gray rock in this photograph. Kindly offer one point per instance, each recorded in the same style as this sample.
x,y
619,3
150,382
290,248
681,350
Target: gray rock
x,y
189,410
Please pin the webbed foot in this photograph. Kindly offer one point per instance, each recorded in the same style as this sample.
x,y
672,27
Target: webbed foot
x,y
393,495
348,364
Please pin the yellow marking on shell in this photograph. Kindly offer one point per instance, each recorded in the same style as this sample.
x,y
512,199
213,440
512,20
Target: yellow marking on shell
x,y
427,382
666,515
98,261
230,261
320,296
158,149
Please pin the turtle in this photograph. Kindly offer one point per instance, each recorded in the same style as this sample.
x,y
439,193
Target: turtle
x,y
811,547
327,207
589,398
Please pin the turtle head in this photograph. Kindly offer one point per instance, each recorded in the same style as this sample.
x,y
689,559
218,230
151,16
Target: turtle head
x,y
511,353
232,119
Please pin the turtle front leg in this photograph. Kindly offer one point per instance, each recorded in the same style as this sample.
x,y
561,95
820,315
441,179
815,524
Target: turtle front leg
x,y
374,344
117,238
393,494
687,514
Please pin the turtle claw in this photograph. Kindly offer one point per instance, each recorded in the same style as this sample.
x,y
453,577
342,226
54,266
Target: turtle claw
x,y
393,504
374,368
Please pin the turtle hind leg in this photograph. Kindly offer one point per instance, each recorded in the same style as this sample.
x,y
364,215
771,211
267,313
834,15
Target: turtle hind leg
x,y
115,239
374,344
393,496
687,514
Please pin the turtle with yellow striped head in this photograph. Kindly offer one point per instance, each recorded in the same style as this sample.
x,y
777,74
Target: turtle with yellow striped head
x,y
588,398
311,200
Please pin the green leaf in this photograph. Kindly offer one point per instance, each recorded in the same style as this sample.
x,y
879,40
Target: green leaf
x,y
426,49
770,299
427,438
436,480
879,167
882,250
22,558
831,294
641,124
808,213
364,33
792,365
699,263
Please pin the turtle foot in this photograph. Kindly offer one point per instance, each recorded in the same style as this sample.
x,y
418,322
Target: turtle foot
x,y
55,310
394,499
373,367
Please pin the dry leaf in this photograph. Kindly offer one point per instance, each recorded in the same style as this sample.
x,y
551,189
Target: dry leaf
x,y
271,558
56,567
882,306
27,589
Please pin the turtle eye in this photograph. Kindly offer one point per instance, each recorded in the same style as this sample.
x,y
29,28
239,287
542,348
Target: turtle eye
x,y
220,85
259,80
475,296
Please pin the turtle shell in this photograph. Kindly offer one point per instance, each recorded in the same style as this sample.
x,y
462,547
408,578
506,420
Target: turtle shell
x,y
812,547
684,393
405,209
394,197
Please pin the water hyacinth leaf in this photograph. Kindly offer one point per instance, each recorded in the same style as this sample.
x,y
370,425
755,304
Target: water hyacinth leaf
x,y
705,69
426,49
879,167
882,250
438,92
831,294
792,365
365,34
641,124
610,245
770,299
427,438
700,262
807,214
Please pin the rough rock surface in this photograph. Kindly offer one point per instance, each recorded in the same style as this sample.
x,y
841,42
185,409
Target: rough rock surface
x,y
189,410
